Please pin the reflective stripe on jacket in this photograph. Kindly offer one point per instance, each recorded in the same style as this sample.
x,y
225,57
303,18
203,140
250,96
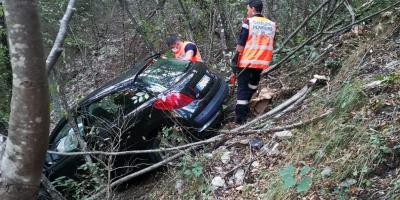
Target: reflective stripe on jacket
x,y
181,53
259,46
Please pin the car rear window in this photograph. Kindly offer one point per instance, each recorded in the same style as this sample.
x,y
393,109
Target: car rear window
x,y
163,74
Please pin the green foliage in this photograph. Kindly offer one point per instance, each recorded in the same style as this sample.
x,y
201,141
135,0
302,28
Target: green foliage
x,y
92,179
302,180
349,98
390,79
196,183
194,170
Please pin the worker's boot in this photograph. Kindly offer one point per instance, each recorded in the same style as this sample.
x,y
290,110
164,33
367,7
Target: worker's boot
x,y
242,112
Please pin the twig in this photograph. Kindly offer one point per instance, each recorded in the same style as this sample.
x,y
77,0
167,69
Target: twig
x,y
190,146
302,25
62,32
138,173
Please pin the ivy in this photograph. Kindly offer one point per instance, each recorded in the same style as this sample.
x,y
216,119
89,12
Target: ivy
x,y
301,180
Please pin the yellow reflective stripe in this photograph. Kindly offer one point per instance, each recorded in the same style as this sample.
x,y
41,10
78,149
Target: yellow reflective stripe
x,y
256,62
252,86
242,102
260,47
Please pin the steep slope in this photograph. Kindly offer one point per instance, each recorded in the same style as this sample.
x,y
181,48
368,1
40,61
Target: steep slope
x,y
352,153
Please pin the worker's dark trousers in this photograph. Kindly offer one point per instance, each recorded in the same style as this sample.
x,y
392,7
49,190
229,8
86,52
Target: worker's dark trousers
x,y
247,82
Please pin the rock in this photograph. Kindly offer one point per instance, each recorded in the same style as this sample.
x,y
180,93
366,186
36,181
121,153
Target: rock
x,y
239,188
326,172
348,182
208,155
179,185
274,151
256,143
219,169
231,181
218,182
255,164
283,134
226,157
239,176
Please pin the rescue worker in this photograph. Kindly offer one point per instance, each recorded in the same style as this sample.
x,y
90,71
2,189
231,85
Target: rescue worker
x,y
183,50
253,54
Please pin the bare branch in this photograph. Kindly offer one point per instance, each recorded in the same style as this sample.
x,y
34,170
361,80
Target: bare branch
x,y
288,127
190,145
62,32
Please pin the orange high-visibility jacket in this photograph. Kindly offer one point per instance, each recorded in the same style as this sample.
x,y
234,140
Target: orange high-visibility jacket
x,y
181,53
259,46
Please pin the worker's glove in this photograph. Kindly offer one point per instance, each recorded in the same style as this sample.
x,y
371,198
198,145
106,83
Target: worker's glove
x,y
234,62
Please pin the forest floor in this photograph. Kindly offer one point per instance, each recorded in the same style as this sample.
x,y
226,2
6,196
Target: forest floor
x,y
351,154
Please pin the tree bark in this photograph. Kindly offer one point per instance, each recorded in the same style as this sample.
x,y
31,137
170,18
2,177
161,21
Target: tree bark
x,y
27,141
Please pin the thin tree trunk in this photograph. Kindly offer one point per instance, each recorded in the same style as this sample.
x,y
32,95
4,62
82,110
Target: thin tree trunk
x,y
27,141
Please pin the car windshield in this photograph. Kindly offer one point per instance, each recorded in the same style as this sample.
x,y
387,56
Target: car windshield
x,y
163,74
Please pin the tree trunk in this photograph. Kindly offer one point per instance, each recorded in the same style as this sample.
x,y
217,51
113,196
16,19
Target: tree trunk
x,y
27,141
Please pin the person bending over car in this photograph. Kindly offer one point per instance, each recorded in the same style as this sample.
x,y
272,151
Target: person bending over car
x,y
183,50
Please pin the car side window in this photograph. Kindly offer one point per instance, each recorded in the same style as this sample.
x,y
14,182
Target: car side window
x,y
110,108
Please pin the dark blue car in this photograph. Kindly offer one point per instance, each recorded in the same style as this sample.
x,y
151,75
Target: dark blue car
x,y
129,112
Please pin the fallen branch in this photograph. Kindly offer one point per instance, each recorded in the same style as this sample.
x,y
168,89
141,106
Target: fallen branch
x,y
294,105
138,173
288,127
62,32
274,111
186,146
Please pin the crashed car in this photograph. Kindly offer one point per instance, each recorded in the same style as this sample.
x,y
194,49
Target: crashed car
x,y
129,112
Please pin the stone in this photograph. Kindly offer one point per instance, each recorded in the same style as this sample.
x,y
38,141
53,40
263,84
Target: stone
x,y
226,157
326,172
239,176
179,186
283,134
208,155
348,182
218,182
256,143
